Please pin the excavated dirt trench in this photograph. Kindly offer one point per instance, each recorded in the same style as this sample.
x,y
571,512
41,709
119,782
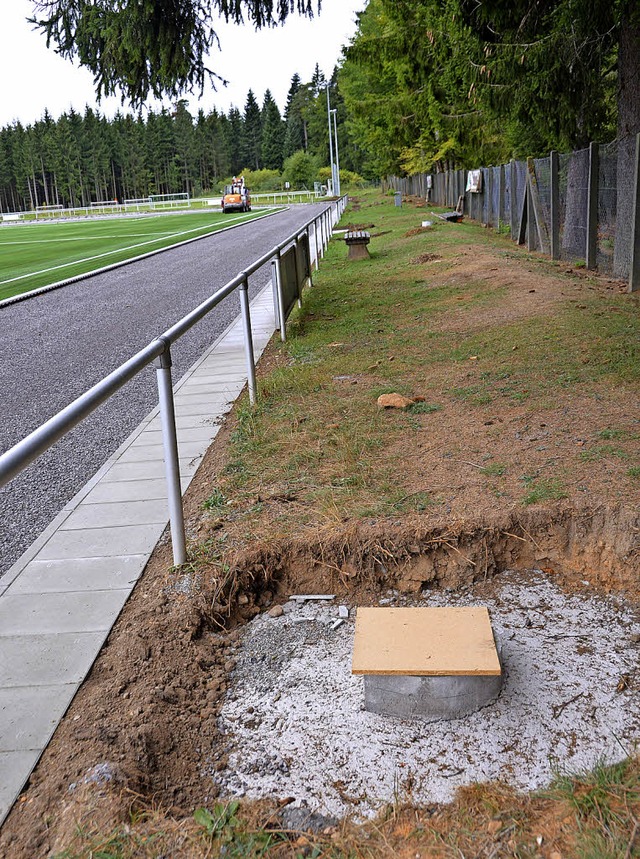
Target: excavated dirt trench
x,y
150,722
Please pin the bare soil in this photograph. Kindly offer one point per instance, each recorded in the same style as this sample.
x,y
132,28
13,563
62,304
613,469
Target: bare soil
x,y
146,719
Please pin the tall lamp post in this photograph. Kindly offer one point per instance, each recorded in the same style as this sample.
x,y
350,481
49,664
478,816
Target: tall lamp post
x,y
336,187
333,166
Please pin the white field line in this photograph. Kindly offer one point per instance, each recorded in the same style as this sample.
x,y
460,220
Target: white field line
x,y
110,253
81,239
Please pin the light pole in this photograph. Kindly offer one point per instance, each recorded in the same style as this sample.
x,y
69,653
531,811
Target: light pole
x,y
333,167
335,138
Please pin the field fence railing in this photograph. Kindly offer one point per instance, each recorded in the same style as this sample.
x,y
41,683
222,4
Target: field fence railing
x,y
582,207
22,454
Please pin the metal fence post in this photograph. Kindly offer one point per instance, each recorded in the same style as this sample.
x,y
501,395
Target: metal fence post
x,y
171,461
634,267
248,340
555,205
592,208
489,196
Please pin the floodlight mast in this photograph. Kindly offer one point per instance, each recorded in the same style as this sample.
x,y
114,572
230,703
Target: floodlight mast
x,y
336,189
334,184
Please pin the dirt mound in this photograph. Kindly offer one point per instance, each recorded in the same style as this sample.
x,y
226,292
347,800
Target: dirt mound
x,y
424,258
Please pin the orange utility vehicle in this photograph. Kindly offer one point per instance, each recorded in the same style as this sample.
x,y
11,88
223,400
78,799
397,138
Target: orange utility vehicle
x,y
236,197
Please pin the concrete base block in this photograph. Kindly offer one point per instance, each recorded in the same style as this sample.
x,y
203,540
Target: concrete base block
x,y
429,698
358,251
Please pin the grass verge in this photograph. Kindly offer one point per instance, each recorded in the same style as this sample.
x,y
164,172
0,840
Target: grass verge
x,y
593,815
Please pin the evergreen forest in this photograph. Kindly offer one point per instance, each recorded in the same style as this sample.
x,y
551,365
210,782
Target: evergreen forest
x,y
423,86
78,158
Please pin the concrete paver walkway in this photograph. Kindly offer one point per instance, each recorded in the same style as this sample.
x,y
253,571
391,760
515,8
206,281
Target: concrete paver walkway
x,y
60,600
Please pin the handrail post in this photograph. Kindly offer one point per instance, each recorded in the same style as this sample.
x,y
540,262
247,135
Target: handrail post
x,y
277,281
171,461
296,246
307,247
248,340
315,239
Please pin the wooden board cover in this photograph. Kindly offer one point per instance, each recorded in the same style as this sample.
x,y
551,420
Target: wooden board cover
x,y
424,641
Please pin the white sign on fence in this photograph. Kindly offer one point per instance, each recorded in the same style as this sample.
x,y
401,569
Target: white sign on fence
x,y
474,181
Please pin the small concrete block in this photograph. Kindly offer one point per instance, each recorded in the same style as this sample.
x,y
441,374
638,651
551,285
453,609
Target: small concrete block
x,y
29,715
429,663
15,769
305,597
343,611
46,660
337,623
429,698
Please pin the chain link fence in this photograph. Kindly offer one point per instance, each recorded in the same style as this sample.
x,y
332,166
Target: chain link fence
x,y
582,206
607,207
574,192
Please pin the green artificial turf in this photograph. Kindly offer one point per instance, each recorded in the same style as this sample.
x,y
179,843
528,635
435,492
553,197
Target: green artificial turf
x,y
38,254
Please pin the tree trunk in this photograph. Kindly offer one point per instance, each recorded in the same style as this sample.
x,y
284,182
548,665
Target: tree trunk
x,y
628,127
44,183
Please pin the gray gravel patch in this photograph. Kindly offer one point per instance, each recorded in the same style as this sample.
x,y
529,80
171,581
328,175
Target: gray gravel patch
x,y
56,345
295,726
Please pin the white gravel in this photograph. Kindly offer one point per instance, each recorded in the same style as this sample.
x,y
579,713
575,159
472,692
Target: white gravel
x,y
295,725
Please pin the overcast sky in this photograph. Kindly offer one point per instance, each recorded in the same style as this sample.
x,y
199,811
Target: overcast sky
x,y
33,78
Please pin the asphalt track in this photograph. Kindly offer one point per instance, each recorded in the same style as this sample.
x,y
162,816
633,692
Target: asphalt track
x,y
56,345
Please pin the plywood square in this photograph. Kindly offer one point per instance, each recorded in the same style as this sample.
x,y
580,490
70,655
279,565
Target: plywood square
x,y
425,642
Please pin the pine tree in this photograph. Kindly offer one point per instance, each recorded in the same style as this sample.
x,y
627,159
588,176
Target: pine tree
x,y
67,161
294,138
252,134
151,48
317,80
184,140
235,140
273,131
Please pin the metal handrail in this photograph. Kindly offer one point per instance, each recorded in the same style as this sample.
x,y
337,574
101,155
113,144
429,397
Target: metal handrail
x,y
22,454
